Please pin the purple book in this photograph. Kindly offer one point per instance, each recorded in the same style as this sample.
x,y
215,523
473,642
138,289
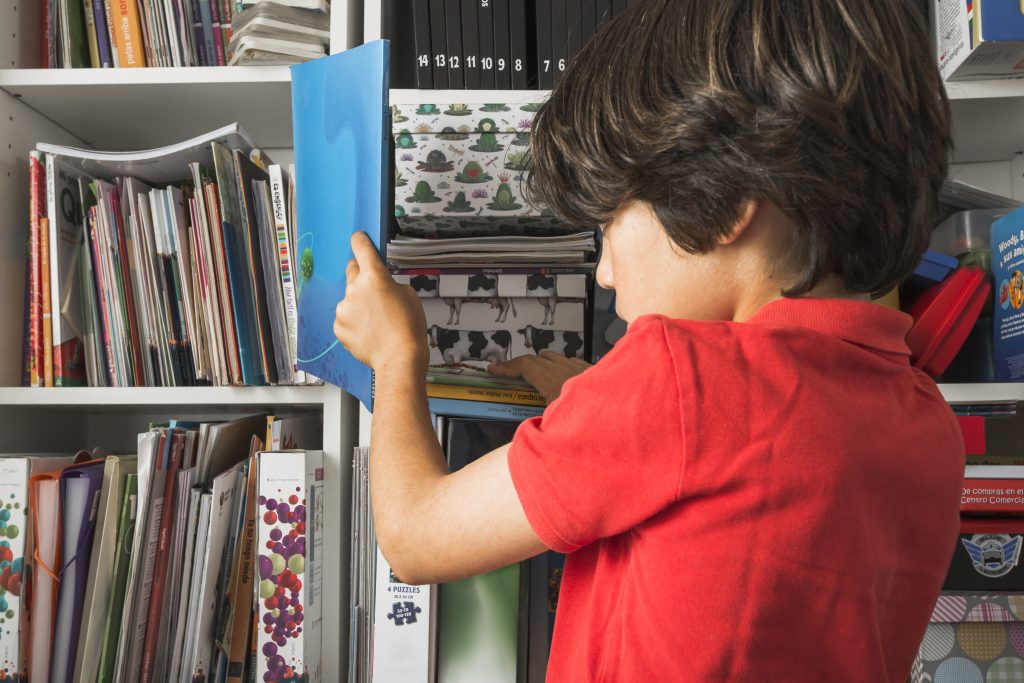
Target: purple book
x,y
99,12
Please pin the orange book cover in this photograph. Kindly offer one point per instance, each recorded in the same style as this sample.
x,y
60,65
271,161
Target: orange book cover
x,y
130,50
47,329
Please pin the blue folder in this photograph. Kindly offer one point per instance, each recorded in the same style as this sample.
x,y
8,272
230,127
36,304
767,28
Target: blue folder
x,y
339,118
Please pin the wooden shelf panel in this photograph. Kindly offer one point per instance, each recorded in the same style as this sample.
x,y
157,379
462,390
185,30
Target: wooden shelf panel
x,y
125,109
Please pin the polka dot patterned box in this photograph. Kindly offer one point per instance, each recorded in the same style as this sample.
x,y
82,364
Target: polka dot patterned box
x,y
973,639
459,168
289,566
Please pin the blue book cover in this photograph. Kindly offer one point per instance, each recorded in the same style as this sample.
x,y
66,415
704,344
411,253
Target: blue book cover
x,y
453,407
1000,20
340,123
1008,279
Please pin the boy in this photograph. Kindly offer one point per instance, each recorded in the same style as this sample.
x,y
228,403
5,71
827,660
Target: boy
x,y
754,484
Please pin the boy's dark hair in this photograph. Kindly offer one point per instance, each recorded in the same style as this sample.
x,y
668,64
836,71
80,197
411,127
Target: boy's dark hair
x,y
831,109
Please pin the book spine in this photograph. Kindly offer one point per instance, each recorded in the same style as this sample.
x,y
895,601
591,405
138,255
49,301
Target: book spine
x,y
161,560
573,35
222,258
125,282
218,32
101,290
207,21
485,34
482,409
469,393
26,327
519,57
588,21
45,35
111,31
37,186
91,33
602,13
439,44
559,34
421,34
284,253
78,34
453,33
128,31
502,45
47,308
100,14
227,14
55,184
471,44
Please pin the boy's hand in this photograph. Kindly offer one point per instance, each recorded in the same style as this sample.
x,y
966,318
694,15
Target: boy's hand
x,y
547,372
379,321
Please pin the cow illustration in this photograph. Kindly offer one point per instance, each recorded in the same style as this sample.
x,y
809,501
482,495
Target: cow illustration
x,y
456,346
481,286
569,344
425,286
542,288
502,304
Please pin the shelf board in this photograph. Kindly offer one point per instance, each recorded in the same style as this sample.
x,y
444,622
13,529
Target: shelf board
x,y
185,397
984,392
414,96
983,90
121,109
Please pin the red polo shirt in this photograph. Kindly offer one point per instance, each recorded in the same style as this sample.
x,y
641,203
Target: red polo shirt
x,y
775,500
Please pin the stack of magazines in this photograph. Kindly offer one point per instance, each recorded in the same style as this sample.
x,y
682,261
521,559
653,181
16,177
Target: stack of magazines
x,y
280,32
168,564
167,267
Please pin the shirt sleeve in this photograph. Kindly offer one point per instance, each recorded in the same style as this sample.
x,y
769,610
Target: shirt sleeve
x,y
609,452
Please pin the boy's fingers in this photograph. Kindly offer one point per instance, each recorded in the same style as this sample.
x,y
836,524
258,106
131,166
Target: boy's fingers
x,y
365,253
351,270
508,368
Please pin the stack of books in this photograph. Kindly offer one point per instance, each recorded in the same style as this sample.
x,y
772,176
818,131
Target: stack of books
x,y
193,559
167,267
280,32
498,44
172,33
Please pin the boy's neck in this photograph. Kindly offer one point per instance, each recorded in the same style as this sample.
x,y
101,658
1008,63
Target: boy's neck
x,y
830,288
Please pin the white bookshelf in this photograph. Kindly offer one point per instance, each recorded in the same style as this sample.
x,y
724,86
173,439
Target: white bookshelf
x,y
137,109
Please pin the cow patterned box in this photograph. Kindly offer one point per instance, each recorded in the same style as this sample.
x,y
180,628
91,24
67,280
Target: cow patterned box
x,y
477,319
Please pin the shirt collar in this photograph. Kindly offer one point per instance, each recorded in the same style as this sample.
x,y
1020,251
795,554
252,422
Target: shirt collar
x,y
864,323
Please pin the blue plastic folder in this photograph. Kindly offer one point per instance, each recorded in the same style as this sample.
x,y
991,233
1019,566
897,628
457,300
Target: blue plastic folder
x,y
340,122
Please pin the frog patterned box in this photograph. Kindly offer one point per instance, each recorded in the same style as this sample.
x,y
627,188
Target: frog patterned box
x,y
459,167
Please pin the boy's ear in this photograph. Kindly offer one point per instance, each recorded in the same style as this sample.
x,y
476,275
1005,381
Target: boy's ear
x,y
745,216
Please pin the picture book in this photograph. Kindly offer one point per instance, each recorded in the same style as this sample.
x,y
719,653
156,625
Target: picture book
x,y
1008,277
340,115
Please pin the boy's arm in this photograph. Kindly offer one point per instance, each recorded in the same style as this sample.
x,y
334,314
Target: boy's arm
x,y
432,526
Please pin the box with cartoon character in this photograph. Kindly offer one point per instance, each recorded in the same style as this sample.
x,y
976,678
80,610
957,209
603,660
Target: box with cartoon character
x,y
459,169
476,318
974,637
987,554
